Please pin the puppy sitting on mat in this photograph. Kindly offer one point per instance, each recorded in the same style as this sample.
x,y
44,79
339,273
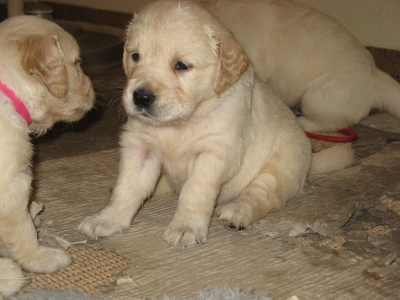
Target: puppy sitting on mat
x,y
41,82
198,114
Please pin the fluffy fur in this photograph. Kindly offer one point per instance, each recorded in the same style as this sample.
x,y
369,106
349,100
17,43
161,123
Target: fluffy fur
x,y
39,61
199,115
312,60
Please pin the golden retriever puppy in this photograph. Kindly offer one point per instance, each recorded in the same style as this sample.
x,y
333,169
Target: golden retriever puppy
x,y
41,82
198,114
312,60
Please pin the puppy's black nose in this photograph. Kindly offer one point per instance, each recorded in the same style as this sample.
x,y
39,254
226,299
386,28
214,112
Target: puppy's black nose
x,y
143,98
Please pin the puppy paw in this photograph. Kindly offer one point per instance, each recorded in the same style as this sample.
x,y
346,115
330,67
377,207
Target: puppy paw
x,y
185,235
108,222
11,277
46,260
235,215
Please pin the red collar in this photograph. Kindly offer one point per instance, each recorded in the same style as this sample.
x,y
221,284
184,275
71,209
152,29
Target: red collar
x,y
18,104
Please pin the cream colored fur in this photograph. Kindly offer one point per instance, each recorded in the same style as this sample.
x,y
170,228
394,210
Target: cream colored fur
x,y
198,114
311,60
39,61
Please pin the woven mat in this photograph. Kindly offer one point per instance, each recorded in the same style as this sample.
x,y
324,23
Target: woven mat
x,y
90,269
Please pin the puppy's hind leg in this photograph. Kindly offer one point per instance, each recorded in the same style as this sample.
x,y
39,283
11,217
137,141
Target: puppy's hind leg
x,y
332,104
255,202
282,178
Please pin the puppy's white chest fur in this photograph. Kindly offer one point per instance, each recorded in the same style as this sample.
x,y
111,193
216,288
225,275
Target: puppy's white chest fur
x,y
178,147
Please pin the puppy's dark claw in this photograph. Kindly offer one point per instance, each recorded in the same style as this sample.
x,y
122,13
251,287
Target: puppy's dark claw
x,y
231,226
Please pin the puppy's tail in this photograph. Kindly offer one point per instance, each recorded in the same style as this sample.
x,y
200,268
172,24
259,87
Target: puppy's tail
x,y
387,93
332,159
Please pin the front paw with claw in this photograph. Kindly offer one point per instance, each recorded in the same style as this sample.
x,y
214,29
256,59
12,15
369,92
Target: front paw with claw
x,y
108,222
185,234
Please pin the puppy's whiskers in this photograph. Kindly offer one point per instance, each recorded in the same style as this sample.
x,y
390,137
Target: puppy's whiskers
x,y
116,96
122,114
98,106
100,94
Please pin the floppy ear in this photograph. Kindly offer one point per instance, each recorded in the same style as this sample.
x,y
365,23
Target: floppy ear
x,y
43,57
232,61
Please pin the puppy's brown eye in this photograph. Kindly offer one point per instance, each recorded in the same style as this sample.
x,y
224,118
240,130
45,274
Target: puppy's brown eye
x,y
182,66
135,57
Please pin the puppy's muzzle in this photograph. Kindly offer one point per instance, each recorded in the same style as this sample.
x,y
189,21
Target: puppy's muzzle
x,y
143,98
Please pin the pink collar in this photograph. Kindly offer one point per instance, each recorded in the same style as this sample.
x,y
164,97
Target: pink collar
x,y
18,104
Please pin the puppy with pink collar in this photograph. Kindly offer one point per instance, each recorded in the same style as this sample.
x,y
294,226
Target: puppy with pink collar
x,y
41,82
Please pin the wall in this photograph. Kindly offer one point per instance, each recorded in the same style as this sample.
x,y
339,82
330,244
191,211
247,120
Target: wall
x,y
128,6
373,22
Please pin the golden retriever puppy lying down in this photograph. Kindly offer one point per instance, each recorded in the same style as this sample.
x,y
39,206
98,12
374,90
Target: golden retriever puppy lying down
x,y
41,83
198,114
312,60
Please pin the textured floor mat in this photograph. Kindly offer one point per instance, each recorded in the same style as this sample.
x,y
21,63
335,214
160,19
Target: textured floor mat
x,y
90,269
